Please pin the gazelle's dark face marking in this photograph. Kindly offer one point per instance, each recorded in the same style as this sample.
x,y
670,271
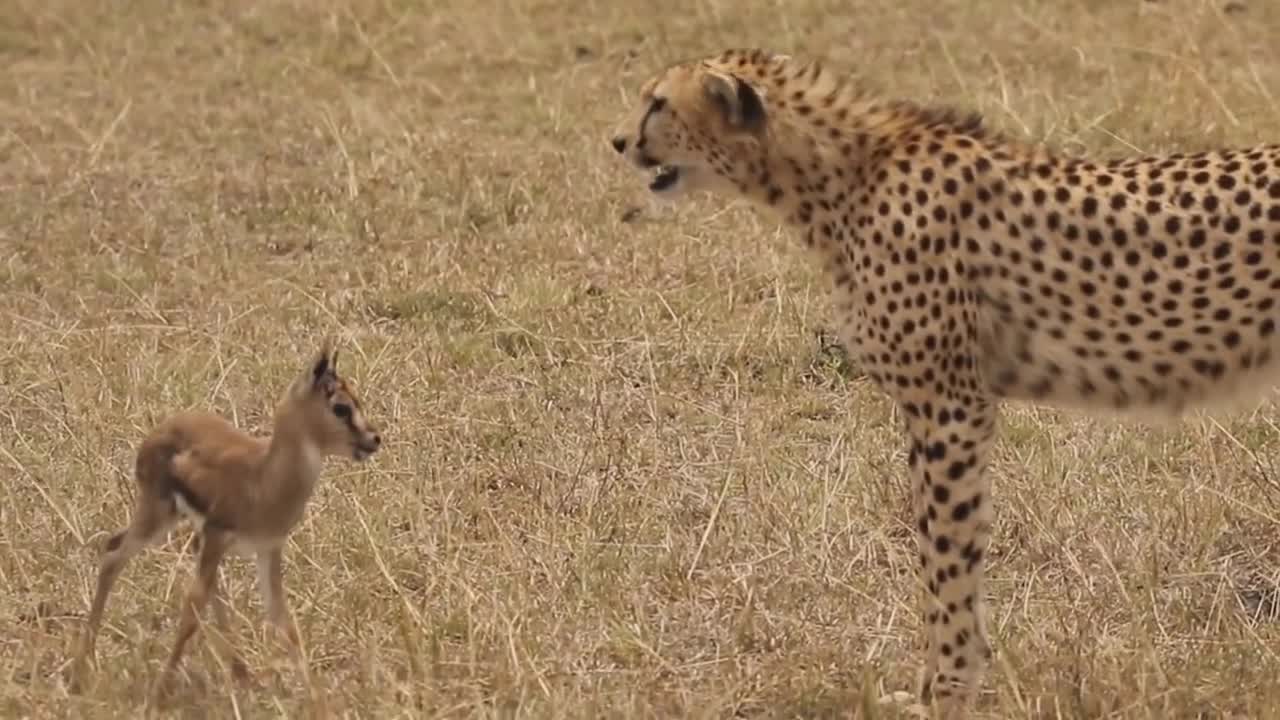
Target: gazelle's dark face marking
x,y
344,429
345,405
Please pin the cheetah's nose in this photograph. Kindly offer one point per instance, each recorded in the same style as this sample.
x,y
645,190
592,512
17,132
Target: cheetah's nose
x,y
619,143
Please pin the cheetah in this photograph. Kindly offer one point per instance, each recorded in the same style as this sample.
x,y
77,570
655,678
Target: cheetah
x,y
968,269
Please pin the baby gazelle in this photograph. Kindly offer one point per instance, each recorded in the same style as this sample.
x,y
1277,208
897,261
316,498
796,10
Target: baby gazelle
x,y
238,490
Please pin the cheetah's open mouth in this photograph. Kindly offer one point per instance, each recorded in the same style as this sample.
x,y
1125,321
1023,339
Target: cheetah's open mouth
x,y
665,178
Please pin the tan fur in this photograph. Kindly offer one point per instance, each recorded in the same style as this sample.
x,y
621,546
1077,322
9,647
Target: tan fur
x,y
968,270
237,490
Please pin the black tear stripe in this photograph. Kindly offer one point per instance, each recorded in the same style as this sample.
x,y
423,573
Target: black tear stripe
x,y
654,106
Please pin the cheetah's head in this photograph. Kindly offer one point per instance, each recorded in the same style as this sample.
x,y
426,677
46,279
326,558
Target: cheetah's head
x,y
692,128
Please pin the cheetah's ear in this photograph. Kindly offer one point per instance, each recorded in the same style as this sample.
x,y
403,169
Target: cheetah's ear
x,y
739,102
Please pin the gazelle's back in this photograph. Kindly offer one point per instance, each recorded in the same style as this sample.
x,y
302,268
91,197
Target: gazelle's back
x,y
205,460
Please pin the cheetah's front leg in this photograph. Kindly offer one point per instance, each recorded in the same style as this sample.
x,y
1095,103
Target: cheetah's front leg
x,y
950,443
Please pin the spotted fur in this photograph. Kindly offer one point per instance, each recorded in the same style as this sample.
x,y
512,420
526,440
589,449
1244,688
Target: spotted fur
x,y
969,269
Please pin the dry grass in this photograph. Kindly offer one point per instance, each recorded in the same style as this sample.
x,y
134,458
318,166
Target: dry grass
x,y
625,477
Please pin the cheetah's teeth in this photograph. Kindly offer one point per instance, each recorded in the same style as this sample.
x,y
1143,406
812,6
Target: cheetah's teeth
x,y
665,178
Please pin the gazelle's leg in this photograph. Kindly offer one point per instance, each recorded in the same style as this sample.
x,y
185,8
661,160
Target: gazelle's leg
x,y
218,598
213,547
151,519
271,585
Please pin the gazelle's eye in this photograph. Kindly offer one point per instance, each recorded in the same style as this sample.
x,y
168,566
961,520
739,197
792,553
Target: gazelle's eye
x,y
342,410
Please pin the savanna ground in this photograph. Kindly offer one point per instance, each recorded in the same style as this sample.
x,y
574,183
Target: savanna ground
x,y
627,475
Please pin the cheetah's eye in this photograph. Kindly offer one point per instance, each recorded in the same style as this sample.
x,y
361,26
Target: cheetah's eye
x,y
657,104
342,410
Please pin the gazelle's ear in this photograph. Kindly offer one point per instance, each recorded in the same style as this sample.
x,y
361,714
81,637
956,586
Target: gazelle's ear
x,y
321,371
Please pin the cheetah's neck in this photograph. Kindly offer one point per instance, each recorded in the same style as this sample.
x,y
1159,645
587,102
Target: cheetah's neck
x,y
830,140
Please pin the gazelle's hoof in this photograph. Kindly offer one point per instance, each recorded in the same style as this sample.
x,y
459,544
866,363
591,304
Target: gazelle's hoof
x,y
76,676
240,672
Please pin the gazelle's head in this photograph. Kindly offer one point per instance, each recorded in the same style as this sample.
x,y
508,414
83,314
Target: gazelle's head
x,y
328,411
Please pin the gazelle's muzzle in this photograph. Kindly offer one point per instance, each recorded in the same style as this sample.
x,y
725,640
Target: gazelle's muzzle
x,y
367,446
